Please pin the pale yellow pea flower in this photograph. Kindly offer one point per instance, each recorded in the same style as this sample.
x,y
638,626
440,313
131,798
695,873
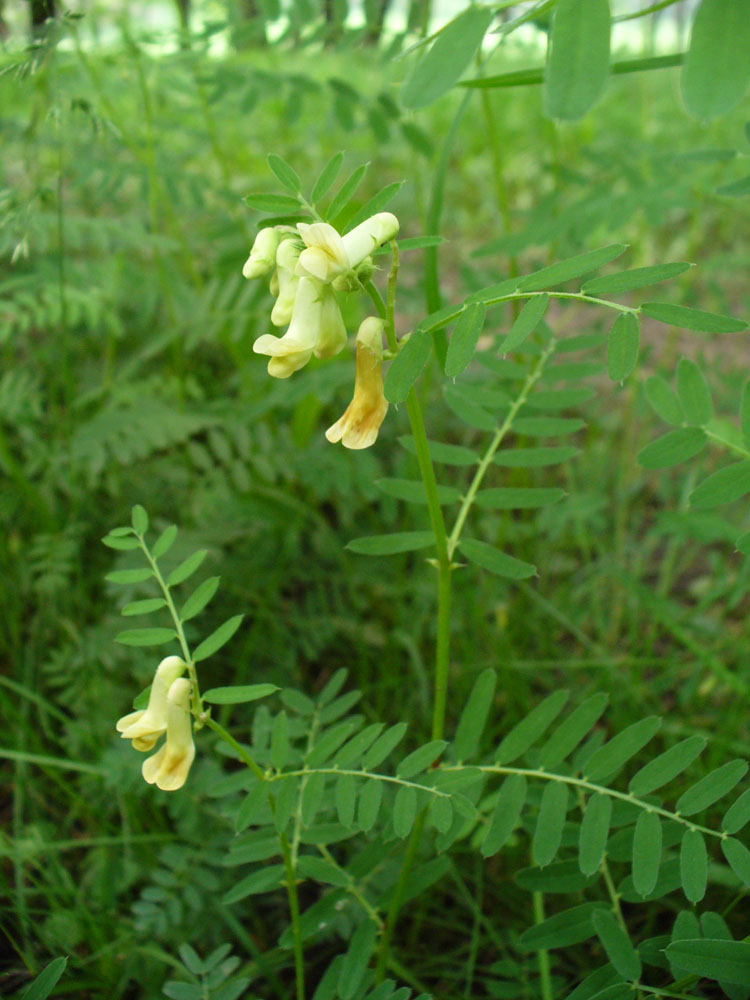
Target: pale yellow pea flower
x,y
263,254
328,254
360,423
287,282
146,726
316,327
169,766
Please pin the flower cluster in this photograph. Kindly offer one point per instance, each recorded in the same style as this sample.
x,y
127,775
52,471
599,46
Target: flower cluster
x,y
309,265
168,712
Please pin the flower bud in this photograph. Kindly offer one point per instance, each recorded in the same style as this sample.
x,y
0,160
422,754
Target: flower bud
x,y
263,253
332,336
286,261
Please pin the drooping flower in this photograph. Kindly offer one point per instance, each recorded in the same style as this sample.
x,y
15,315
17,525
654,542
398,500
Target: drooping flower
x,y
263,254
327,254
360,423
316,327
287,256
168,767
146,726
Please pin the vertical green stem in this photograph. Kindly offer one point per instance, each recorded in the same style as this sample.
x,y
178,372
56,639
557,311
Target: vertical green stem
x,y
291,890
545,979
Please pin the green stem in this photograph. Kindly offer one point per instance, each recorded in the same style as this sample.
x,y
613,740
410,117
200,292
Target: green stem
x,y
291,890
497,440
236,746
197,703
545,978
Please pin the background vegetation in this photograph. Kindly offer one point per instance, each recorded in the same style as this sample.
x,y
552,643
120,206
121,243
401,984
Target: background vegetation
x,y
128,377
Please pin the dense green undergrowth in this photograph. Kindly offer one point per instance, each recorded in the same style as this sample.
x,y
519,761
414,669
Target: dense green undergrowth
x,y
128,377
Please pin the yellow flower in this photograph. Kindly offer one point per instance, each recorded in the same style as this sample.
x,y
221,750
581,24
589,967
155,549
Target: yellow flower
x,y
263,254
146,726
360,423
316,327
328,254
169,766
286,261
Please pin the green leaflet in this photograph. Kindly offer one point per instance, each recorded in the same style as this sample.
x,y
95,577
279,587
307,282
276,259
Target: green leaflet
x,y
420,759
617,944
593,833
445,454
186,568
572,731
738,857
647,848
328,175
383,746
624,342
568,927
724,486
146,636
264,880
474,716
505,815
673,448
638,277
694,393
577,58
464,339
412,491
143,607
199,598
666,766
451,53
712,787
611,757
525,323
497,562
530,729
518,498
663,400
407,366
404,810
728,961
692,319
550,822
386,545
217,639
693,865
238,695
357,958
716,70
738,814
572,267
286,174
376,204
281,204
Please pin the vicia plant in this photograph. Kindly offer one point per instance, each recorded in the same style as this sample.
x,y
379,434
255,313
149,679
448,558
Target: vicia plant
x,y
311,798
